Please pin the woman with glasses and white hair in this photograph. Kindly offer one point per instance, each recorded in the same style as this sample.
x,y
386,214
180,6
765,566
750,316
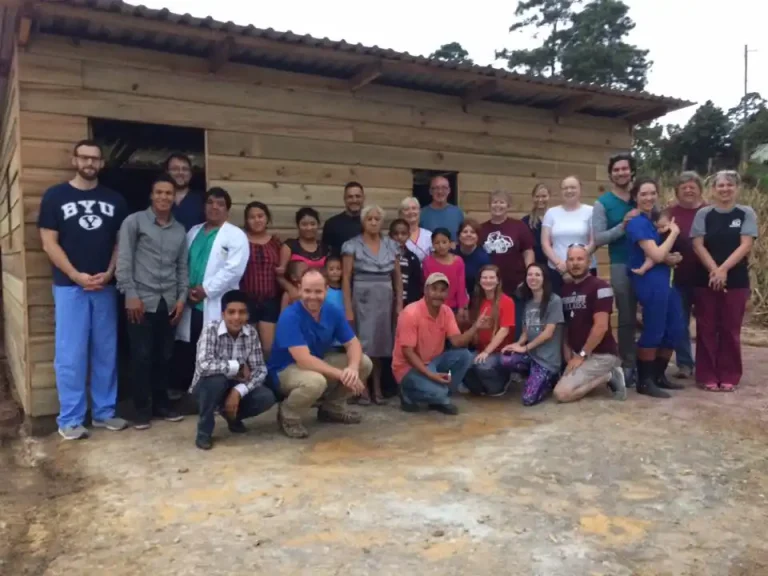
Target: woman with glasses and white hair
x,y
563,226
420,239
688,201
373,291
723,235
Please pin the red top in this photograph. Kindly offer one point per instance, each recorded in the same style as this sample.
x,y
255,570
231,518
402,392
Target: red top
x,y
580,303
259,280
417,329
506,243
457,291
506,320
685,273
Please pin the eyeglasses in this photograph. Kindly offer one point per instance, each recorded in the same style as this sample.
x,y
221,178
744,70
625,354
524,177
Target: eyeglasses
x,y
93,159
577,245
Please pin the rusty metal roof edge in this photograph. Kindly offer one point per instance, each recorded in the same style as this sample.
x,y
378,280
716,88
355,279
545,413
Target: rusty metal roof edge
x,y
327,45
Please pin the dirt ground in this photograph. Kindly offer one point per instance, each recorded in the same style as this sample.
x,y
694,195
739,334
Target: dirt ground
x,y
675,487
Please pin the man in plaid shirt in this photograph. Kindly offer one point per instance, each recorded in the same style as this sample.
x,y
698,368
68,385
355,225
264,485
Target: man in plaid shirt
x,y
229,371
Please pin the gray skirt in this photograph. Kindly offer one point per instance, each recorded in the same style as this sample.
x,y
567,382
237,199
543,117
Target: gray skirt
x,y
372,297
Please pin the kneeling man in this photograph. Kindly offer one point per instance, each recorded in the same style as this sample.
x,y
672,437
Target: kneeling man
x,y
426,371
303,366
589,349
229,371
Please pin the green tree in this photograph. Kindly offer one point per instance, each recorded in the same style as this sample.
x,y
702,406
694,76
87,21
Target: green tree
x,y
648,142
548,18
452,52
749,120
586,46
707,137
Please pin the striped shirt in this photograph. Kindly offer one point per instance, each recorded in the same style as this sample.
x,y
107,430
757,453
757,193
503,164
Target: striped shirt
x,y
260,278
219,353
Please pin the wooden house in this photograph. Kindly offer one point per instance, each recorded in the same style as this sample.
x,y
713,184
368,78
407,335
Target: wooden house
x,y
278,117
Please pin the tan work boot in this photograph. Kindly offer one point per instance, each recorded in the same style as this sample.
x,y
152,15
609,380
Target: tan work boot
x,y
291,428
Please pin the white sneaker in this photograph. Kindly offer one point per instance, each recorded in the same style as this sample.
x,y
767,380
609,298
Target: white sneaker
x,y
115,424
74,433
617,384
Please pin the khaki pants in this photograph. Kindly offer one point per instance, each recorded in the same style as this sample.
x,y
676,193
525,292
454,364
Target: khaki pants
x,y
595,370
302,388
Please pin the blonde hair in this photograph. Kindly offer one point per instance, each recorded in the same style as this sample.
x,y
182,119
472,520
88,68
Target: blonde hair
x,y
372,208
503,194
533,216
409,201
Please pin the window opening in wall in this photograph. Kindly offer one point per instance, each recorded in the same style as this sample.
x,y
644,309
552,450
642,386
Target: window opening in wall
x,y
421,179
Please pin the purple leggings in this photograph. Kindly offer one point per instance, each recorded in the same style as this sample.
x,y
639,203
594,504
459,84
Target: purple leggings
x,y
540,380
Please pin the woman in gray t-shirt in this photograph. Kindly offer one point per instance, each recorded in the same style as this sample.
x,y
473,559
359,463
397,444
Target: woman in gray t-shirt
x,y
538,351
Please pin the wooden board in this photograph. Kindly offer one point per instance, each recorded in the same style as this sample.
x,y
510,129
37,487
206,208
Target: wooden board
x,y
46,154
37,264
41,376
44,402
54,127
41,320
41,349
35,181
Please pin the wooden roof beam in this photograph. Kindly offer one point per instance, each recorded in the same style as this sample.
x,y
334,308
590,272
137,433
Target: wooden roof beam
x,y
573,104
479,91
221,52
645,115
25,30
365,75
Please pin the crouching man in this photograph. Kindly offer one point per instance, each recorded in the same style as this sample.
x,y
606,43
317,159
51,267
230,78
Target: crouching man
x,y
426,372
304,369
229,371
589,347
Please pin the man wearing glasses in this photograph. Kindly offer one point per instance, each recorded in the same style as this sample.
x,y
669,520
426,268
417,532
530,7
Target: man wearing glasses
x,y
79,221
439,213
188,206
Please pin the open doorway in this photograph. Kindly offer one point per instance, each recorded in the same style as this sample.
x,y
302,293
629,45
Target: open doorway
x,y
135,154
421,179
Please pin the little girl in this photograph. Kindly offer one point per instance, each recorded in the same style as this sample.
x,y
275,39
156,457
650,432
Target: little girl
x,y
410,265
333,269
293,271
442,260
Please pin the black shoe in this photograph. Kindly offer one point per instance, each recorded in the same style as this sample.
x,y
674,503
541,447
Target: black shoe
x,y
409,406
646,382
660,367
236,426
630,377
203,443
449,409
167,415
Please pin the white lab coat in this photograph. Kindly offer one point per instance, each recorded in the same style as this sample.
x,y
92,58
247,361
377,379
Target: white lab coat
x,y
225,268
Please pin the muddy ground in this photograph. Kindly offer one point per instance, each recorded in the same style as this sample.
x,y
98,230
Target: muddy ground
x,y
646,487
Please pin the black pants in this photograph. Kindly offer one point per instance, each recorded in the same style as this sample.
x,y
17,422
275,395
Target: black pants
x,y
151,346
211,393
185,352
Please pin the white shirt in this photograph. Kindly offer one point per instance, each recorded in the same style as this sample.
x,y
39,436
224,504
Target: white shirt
x,y
423,245
568,227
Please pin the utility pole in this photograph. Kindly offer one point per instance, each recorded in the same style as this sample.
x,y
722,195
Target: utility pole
x,y
744,144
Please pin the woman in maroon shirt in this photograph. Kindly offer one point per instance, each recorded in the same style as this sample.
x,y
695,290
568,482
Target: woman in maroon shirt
x,y
263,277
688,200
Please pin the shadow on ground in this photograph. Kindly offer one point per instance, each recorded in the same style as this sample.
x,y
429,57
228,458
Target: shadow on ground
x,y
636,488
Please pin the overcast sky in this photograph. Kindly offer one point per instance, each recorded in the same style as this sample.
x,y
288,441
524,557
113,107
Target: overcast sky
x,y
697,47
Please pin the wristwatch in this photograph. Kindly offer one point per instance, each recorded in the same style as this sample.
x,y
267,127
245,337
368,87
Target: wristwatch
x,y
583,355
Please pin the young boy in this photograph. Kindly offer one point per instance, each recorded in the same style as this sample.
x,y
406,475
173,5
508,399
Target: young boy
x,y
333,269
662,226
410,265
229,371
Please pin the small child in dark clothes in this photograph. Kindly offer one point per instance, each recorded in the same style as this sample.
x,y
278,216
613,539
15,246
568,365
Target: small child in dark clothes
x,y
662,227
410,265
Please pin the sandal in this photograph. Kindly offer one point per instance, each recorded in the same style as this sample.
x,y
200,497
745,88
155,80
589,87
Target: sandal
x,y
379,400
711,387
727,387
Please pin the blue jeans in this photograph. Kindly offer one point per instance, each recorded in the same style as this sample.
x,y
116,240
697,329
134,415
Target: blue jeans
x,y
86,330
683,351
418,389
490,377
211,393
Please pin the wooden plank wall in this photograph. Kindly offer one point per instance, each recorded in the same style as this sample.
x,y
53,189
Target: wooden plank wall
x,y
286,139
12,240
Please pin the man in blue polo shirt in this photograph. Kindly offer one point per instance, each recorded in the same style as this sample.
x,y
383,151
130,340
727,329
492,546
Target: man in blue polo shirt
x,y
303,367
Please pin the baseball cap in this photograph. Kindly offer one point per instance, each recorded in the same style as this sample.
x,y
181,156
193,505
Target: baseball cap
x,y
436,277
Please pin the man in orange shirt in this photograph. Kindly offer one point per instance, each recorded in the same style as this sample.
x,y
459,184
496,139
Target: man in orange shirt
x,y
426,371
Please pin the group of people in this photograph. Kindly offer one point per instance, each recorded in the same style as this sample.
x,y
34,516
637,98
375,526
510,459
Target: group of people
x,y
243,319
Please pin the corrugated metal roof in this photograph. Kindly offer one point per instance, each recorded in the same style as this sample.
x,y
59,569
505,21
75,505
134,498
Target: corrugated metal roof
x,y
118,22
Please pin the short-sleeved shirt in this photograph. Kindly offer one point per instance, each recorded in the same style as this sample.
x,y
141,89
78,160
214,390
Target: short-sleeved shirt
x,y
506,243
365,261
581,301
314,259
259,280
296,327
722,231
338,229
422,247
638,229
87,221
685,272
417,329
457,290
449,217
568,227
473,261
550,354
615,210
506,320
539,255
